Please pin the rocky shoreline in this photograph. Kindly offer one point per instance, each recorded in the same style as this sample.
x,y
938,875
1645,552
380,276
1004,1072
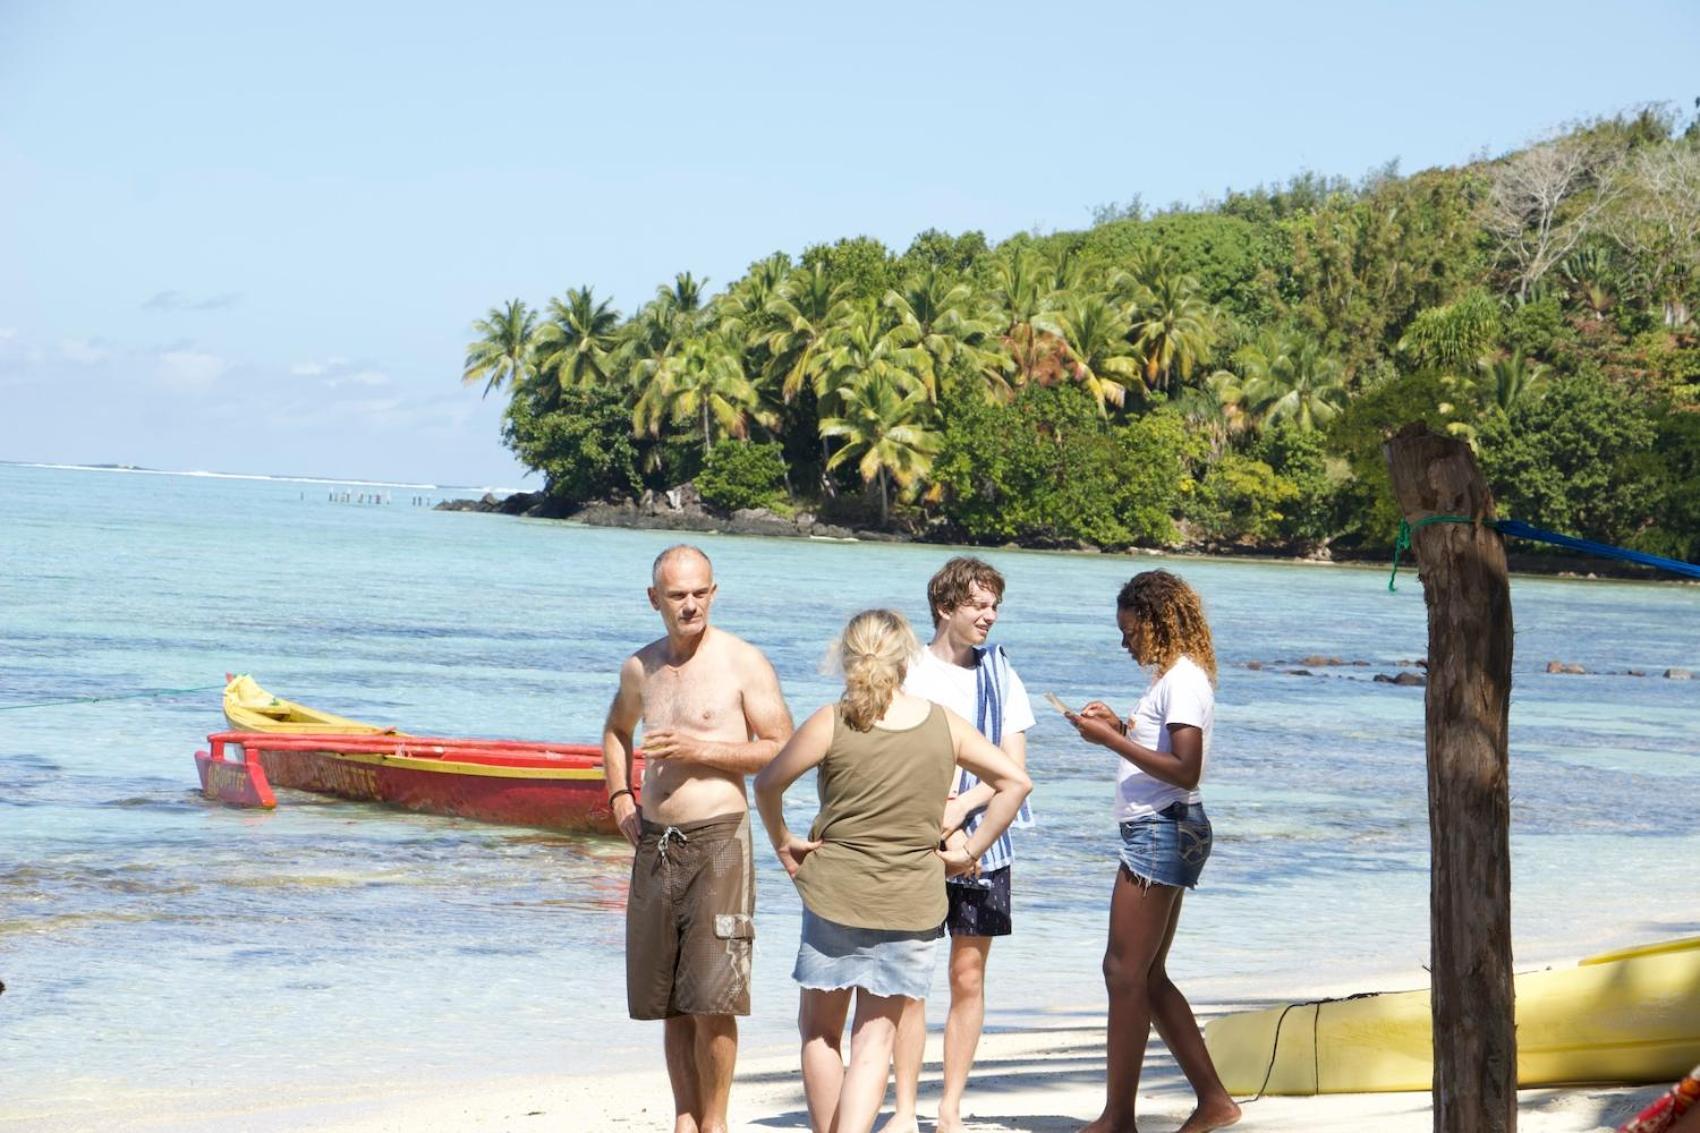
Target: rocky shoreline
x,y
683,509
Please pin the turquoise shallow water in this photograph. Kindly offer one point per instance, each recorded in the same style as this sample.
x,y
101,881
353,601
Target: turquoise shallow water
x,y
148,937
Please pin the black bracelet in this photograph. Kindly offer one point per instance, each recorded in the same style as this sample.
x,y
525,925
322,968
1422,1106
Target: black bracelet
x,y
618,793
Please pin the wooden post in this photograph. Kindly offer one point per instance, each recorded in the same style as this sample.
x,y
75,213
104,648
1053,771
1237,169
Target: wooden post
x,y
1462,567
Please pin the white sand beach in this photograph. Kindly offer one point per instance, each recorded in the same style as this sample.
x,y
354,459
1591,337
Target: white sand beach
x,y
1037,1080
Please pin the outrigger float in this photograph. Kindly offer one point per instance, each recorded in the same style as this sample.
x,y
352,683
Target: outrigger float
x,y
277,742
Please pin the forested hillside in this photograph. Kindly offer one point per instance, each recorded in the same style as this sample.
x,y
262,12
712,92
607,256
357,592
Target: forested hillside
x,y
1218,376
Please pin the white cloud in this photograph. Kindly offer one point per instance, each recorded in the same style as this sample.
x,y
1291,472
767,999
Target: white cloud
x,y
313,368
188,370
361,378
177,301
84,351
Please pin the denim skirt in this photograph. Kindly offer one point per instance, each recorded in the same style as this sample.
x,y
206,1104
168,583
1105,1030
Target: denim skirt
x,y
1169,847
886,962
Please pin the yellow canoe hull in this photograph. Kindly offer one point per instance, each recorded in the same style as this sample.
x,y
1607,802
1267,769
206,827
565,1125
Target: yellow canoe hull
x,y
250,708
1628,1016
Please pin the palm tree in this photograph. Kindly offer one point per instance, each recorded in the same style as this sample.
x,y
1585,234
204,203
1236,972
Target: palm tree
x,y
503,353
1023,290
946,321
702,383
863,345
1512,378
659,329
886,426
575,345
1287,377
1217,408
1100,359
803,309
1173,328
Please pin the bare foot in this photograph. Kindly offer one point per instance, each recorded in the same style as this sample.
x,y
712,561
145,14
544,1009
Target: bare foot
x,y
1106,1124
949,1122
901,1123
1217,1114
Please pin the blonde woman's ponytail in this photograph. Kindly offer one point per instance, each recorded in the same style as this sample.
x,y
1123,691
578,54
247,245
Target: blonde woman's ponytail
x,y
874,653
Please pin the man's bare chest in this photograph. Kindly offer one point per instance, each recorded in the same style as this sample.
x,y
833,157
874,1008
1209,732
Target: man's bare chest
x,y
698,700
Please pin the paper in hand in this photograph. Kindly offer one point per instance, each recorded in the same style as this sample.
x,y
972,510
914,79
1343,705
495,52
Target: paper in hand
x,y
1051,699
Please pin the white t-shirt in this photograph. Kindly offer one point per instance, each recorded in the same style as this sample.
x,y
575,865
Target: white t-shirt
x,y
953,687
1180,696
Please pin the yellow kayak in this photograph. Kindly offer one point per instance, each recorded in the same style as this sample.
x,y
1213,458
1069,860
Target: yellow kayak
x,y
250,708
1627,1016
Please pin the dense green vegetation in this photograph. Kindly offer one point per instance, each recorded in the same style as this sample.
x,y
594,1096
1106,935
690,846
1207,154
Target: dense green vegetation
x,y
1215,376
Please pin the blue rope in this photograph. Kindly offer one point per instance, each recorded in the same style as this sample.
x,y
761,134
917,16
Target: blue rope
x,y
1517,529
1520,530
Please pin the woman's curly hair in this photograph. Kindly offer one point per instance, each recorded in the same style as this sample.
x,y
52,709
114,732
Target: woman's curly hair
x,y
1171,621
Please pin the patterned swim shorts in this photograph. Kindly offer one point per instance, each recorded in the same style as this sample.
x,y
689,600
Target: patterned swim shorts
x,y
690,919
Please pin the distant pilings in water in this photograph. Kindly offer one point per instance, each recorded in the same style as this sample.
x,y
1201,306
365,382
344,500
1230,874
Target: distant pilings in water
x,y
378,499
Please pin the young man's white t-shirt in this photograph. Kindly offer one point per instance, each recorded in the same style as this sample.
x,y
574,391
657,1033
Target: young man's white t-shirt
x,y
953,686
1180,696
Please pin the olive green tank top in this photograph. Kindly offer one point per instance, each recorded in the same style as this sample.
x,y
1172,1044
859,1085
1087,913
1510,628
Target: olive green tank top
x,y
882,795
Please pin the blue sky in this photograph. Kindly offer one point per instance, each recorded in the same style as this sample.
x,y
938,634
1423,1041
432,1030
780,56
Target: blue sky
x,y
252,240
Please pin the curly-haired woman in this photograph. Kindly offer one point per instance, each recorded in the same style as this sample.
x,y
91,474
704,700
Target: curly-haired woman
x,y
1163,748
871,873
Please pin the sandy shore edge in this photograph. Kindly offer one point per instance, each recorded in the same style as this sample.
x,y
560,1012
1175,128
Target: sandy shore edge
x,y
1038,1079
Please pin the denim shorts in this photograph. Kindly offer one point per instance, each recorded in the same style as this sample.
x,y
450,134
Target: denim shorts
x,y
832,956
1169,847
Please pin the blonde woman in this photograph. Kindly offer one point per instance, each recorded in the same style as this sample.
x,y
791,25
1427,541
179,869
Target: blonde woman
x,y
1163,749
871,873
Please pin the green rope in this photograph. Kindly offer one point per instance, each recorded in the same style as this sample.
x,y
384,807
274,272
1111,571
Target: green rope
x,y
98,699
1403,542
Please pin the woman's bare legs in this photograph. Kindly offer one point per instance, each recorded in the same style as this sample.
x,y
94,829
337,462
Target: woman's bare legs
x,y
820,1021
871,1039
1139,924
906,1058
1172,1015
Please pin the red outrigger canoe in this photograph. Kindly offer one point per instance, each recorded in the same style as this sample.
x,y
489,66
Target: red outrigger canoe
x,y
515,782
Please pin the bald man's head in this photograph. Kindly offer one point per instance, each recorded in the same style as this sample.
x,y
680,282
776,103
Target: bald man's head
x,y
682,590
678,552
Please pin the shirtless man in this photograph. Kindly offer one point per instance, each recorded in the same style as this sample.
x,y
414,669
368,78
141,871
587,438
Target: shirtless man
x,y
712,713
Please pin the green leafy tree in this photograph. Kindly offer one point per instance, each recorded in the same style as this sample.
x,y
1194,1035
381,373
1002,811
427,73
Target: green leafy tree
x,y
742,475
1173,328
660,329
1241,498
1569,460
865,346
1287,377
575,345
1510,379
885,426
804,308
1099,359
502,355
935,250
1300,458
703,385
580,439
1453,336
1048,469
862,265
944,318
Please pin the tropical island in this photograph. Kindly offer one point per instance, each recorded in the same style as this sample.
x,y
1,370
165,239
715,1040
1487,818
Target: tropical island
x,y
1217,377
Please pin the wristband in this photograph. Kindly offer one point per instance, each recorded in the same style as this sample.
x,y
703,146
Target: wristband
x,y
618,793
